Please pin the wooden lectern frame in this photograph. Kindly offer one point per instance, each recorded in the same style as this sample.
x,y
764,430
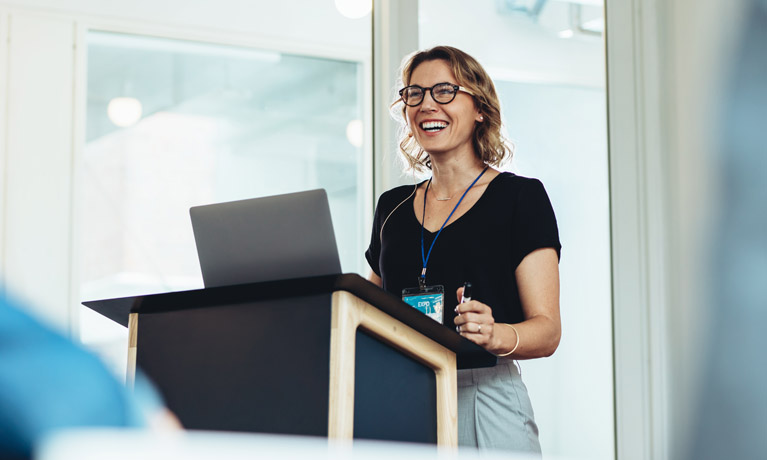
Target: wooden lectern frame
x,y
355,305
349,313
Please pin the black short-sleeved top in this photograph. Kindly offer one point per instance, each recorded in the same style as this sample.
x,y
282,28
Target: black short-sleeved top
x,y
512,218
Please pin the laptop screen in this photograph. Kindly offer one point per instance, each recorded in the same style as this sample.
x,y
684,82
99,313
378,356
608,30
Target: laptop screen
x,y
265,239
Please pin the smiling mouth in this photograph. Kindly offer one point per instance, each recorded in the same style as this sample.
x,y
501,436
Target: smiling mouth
x,y
433,126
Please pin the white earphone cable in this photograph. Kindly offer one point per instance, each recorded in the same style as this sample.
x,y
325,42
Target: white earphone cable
x,y
380,233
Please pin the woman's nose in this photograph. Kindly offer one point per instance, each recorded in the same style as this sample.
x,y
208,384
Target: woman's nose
x,y
428,104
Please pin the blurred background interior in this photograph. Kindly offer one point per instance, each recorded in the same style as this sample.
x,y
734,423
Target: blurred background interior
x,y
118,116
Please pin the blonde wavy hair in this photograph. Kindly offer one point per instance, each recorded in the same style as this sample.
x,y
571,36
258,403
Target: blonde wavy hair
x,y
489,144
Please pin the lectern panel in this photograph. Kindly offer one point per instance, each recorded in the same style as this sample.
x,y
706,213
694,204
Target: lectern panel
x,y
395,396
256,366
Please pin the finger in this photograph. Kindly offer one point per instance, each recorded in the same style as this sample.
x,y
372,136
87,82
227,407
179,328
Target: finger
x,y
459,294
471,317
472,306
465,307
470,328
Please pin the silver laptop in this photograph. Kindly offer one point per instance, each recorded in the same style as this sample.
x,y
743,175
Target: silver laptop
x,y
265,239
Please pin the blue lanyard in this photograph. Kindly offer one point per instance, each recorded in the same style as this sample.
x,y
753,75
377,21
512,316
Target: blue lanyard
x,y
425,258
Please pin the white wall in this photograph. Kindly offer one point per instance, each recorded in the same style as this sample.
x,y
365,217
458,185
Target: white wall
x,y
38,176
638,216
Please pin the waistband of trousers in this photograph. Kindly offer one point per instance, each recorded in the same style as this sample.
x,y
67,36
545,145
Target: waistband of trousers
x,y
468,377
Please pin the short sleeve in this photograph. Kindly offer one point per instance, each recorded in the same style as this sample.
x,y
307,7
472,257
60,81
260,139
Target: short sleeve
x,y
373,252
534,225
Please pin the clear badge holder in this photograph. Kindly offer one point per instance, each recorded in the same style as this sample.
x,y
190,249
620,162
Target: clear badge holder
x,y
429,300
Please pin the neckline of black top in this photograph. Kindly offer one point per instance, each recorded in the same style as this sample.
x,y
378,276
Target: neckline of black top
x,y
414,217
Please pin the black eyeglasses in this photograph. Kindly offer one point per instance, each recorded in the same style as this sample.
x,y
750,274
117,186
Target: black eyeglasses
x,y
442,93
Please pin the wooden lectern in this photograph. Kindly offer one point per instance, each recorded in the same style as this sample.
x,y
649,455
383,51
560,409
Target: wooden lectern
x,y
327,356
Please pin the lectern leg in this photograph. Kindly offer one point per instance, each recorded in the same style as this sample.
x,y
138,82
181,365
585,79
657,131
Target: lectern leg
x,y
344,323
130,374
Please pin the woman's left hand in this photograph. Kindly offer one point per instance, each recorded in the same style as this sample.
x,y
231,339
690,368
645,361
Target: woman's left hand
x,y
475,321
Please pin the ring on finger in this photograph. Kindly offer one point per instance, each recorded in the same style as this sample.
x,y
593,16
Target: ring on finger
x,y
479,328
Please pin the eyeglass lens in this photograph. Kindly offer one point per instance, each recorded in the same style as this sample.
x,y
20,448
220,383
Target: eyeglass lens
x,y
442,93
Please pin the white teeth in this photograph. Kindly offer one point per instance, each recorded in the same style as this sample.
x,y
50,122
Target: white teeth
x,y
433,125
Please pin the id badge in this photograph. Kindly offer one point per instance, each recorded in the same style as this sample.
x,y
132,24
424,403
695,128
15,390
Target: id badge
x,y
429,300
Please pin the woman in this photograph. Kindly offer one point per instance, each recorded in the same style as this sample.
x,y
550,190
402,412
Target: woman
x,y
470,222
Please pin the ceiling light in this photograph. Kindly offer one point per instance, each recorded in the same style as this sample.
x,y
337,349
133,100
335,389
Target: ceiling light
x,y
124,111
354,9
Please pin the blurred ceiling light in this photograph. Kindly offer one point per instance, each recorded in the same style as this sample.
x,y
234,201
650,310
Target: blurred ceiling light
x,y
354,9
124,111
355,133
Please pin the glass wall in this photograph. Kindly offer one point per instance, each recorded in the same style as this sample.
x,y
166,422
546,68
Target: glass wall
x,y
173,124
547,61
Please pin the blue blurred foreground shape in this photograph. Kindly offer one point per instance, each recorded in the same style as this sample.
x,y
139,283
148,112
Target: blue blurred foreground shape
x,y
47,382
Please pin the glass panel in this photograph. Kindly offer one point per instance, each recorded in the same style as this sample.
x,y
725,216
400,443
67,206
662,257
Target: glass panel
x,y
548,67
173,124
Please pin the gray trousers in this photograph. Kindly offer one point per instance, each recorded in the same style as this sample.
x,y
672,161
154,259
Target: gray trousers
x,y
494,410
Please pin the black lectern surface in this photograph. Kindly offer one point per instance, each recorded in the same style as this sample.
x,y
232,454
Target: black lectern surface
x,y
469,354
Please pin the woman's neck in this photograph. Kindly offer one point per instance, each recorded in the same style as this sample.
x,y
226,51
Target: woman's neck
x,y
448,177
